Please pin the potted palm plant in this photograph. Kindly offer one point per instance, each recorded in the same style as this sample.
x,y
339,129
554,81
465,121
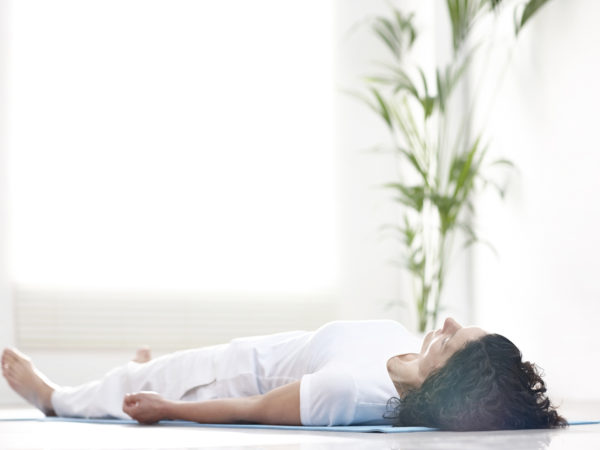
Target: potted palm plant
x,y
442,168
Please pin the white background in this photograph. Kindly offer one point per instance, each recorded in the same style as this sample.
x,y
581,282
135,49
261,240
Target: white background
x,y
170,146
541,291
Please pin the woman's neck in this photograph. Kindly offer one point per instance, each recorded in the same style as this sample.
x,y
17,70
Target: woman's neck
x,y
405,372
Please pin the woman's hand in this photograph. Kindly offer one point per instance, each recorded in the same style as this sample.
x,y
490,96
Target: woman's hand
x,y
145,407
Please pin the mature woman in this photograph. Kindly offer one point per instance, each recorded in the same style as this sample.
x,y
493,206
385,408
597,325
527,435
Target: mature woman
x,y
346,372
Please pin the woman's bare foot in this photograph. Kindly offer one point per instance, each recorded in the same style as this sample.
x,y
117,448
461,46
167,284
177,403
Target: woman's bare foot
x,y
142,355
27,381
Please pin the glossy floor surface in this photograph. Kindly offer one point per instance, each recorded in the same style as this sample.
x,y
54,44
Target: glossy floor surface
x,y
65,435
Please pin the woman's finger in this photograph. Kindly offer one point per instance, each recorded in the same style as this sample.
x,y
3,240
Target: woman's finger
x,y
131,399
130,406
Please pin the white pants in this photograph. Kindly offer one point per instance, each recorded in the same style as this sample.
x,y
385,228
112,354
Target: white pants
x,y
181,375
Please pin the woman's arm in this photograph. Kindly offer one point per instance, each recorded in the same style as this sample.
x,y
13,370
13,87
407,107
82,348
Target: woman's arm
x,y
281,406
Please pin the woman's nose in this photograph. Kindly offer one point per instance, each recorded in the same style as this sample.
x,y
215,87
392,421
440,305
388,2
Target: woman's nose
x,y
451,325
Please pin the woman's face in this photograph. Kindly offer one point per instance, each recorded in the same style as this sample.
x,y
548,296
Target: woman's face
x,y
410,370
439,345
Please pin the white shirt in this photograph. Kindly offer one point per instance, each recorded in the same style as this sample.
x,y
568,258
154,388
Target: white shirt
x,y
342,368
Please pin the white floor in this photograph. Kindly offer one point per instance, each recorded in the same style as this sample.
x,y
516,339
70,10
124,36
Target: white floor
x,y
64,435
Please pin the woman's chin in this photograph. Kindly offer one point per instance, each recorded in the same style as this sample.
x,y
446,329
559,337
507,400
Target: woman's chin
x,y
426,340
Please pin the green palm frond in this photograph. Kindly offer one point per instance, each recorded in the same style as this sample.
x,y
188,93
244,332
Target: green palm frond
x,y
411,196
462,15
531,8
398,34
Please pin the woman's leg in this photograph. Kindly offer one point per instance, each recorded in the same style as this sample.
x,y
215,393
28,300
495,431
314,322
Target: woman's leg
x,y
98,398
171,376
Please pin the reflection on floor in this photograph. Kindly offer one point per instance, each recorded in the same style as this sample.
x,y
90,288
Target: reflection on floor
x,y
64,435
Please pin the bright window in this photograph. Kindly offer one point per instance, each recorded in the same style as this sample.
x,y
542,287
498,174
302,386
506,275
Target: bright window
x,y
171,144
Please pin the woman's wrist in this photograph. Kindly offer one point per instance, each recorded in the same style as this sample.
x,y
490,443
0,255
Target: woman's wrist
x,y
169,410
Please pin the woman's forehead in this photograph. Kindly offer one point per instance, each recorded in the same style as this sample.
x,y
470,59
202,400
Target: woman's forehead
x,y
470,333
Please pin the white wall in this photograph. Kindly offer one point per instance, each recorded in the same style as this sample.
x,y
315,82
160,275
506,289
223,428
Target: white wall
x,y
6,309
542,291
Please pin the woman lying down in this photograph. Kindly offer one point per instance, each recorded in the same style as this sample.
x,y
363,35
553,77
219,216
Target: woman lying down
x,y
344,373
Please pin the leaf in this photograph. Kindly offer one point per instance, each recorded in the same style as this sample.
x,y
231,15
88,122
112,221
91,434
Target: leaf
x,y
462,16
504,162
468,230
463,182
416,266
470,206
455,75
447,207
383,109
454,13
415,164
488,244
501,189
463,168
412,196
405,23
405,123
424,81
473,238
380,79
427,102
447,79
441,91
443,203
398,35
406,232
416,261
404,82
379,107
529,11
395,303
381,29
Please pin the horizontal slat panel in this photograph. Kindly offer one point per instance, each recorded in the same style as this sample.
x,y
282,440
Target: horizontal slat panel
x,y
52,319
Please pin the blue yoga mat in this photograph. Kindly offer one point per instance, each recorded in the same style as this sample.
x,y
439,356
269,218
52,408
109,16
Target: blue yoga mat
x,y
184,423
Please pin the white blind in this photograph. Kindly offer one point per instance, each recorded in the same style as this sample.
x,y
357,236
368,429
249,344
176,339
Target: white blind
x,y
172,145
162,320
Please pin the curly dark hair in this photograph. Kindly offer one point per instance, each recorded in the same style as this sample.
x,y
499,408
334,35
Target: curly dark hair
x,y
484,386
